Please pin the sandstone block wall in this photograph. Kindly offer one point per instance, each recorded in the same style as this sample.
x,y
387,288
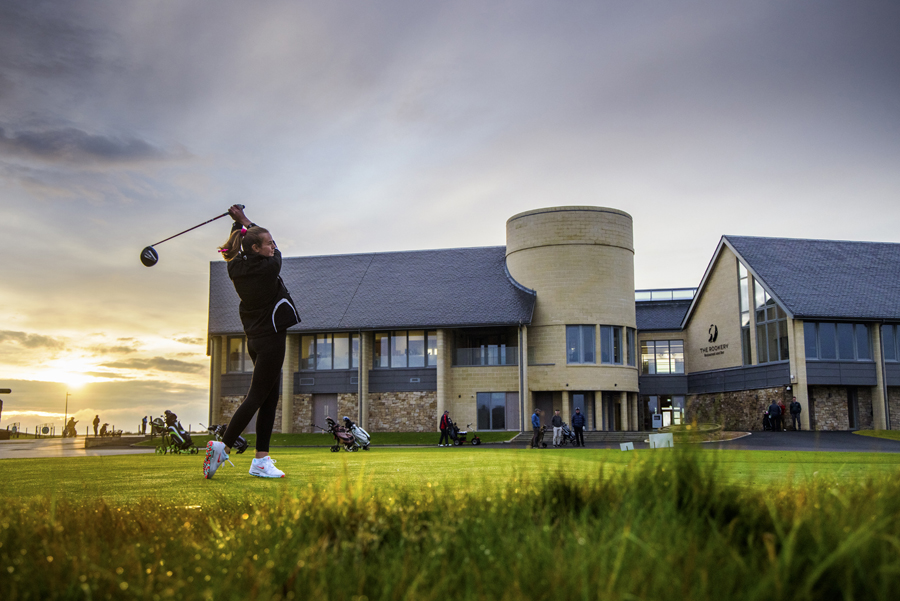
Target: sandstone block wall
x,y
894,407
741,410
831,411
402,411
348,405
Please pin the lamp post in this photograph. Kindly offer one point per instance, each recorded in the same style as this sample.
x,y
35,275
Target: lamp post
x,y
66,418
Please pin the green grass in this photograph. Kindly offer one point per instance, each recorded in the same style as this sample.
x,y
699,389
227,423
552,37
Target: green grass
x,y
378,439
886,434
488,523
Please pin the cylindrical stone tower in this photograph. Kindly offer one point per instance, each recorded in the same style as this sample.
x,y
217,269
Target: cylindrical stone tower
x,y
580,261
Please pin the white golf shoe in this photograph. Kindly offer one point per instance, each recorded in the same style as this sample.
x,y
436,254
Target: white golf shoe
x,y
215,456
265,468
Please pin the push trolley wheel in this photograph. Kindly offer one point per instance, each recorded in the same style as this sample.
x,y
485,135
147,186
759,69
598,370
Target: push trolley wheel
x,y
160,450
366,448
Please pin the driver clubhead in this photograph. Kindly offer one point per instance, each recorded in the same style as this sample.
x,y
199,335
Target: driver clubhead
x,y
149,256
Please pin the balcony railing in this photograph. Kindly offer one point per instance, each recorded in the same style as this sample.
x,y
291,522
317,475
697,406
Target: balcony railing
x,y
486,355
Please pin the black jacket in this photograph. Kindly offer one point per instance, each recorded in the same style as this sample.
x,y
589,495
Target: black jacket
x,y
774,410
578,420
266,305
556,422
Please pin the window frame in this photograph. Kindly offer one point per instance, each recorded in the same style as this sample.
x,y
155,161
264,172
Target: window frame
x,y
244,356
673,362
582,329
430,358
815,327
352,342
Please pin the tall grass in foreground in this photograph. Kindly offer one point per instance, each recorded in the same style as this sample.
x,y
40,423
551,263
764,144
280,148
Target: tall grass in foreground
x,y
663,529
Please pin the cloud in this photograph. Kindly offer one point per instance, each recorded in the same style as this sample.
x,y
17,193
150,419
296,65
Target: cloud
x,y
157,364
101,349
32,341
76,146
190,340
107,374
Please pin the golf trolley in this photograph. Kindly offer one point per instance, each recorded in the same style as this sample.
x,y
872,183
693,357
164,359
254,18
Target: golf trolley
x,y
362,437
459,436
342,437
173,437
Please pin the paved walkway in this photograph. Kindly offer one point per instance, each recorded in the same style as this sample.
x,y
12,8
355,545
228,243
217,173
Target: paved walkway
x,y
771,441
59,447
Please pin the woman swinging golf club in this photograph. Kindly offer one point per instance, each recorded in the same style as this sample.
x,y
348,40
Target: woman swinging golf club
x,y
267,311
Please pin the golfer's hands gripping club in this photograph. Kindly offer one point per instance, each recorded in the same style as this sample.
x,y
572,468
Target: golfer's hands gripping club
x,y
237,213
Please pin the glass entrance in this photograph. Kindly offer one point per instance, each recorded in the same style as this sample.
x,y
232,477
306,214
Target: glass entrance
x,y
670,407
585,402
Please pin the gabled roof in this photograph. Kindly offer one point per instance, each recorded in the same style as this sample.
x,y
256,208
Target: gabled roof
x,y
820,279
459,287
826,278
660,315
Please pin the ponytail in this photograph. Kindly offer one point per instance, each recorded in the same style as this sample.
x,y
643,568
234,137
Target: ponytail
x,y
242,239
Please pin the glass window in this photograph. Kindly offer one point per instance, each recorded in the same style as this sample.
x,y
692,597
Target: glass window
x,y
432,349
307,352
382,349
809,339
762,349
398,349
648,357
342,350
744,294
663,365
827,341
580,344
324,351
491,410
771,328
617,345
863,347
237,359
606,344
354,351
629,341
845,341
416,348
888,335
676,351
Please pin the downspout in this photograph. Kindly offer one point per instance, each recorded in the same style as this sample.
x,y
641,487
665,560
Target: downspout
x,y
884,384
521,381
359,403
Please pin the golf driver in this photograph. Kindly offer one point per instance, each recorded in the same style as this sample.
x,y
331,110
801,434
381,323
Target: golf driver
x,y
149,257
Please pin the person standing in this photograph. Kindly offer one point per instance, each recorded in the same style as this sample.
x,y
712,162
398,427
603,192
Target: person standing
x,y
578,424
96,423
775,416
783,415
556,422
267,311
536,427
445,429
144,425
796,410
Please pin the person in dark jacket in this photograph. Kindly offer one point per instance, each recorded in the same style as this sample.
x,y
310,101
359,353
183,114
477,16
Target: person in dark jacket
x,y
536,427
578,425
267,311
96,423
796,410
445,429
775,416
556,422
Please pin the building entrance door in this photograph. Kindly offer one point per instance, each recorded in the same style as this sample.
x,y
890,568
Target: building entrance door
x,y
585,402
852,407
324,405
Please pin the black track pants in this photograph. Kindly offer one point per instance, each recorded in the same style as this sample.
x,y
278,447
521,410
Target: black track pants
x,y
267,354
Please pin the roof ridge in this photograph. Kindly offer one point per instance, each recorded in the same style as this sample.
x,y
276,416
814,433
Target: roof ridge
x,y
861,242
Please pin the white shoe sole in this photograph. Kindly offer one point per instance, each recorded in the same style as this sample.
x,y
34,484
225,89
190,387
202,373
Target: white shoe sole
x,y
264,475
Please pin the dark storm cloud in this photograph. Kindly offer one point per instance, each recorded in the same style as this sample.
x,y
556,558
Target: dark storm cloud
x,y
157,364
32,341
76,146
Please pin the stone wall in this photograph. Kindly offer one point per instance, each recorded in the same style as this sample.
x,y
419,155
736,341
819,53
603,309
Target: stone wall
x,y
348,405
303,414
830,407
894,407
402,411
738,411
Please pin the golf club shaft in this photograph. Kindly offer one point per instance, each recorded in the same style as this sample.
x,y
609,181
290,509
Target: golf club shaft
x,y
195,227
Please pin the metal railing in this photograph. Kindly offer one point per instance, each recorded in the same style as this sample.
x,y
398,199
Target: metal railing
x,y
486,355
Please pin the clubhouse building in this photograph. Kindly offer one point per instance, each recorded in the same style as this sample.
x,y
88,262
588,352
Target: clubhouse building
x,y
552,320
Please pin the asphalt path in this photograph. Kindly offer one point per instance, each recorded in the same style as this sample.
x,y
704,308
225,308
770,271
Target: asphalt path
x,y
835,442
59,447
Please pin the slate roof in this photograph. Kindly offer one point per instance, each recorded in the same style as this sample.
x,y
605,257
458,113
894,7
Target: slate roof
x,y
661,315
826,279
456,287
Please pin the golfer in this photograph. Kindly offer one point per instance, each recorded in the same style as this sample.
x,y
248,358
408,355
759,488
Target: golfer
x,y
267,311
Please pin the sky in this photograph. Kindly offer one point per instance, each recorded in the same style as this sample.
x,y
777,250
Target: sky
x,y
351,126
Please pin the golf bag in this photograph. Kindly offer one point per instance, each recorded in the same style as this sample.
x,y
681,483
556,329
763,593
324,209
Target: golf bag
x,y
362,437
240,445
175,439
459,437
767,421
342,438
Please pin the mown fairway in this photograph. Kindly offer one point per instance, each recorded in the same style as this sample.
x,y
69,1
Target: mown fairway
x,y
460,523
